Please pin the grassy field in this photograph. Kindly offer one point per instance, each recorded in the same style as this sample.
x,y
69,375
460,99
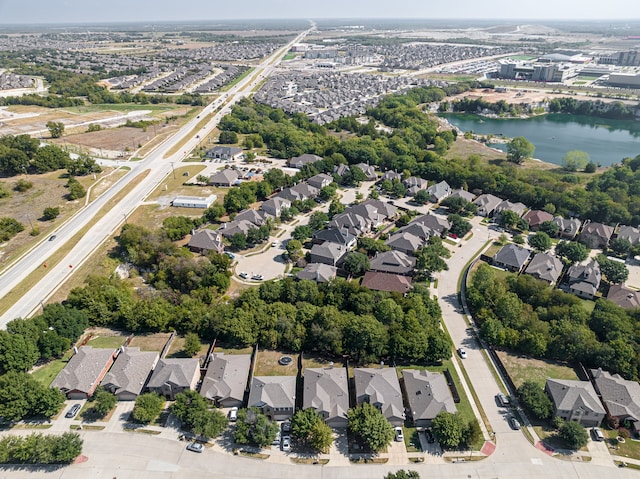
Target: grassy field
x,y
288,56
150,342
411,439
124,108
47,372
629,448
177,349
522,369
236,80
267,364
106,342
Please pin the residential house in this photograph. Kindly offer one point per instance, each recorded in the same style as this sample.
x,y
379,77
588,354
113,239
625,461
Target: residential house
x,y
546,267
353,223
202,202
318,272
275,205
392,283
256,217
369,171
339,236
368,211
405,242
341,170
84,371
225,153
395,262
630,234
300,192
517,208
437,225
227,177
511,257
304,160
380,388
226,379
227,230
391,175
129,373
275,396
624,297
535,218
584,279
463,194
320,181
382,208
173,376
428,394
206,240
621,398
567,228
596,235
486,204
327,253
575,401
327,391
417,229
414,184
439,192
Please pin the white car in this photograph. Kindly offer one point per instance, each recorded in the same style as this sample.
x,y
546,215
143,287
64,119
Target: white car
x,y
286,444
462,353
243,275
399,435
257,277
274,244
195,447
233,414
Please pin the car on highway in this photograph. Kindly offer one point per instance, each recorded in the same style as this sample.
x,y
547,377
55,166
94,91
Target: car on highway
x,y
398,433
503,400
73,411
286,444
257,277
514,423
243,275
462,353
52,237
195,447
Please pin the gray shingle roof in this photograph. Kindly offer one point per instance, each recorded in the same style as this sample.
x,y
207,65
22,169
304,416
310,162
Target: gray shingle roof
x,y
546,267
206,239
226,377
319,272
82,371
275,391
568,395
225,177
130,371
327,391
629,233
393,262
621,397
624,297
428,394
381,388
404,242
512,255
436,224
178,372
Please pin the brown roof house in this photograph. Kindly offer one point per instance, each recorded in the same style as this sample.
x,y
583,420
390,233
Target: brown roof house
x,y
206,240
624,297
392,283
327,391
129,373
545,267
84,371
173,376
275,396
226,379
596,235
380,388
621,398
535,218
575,401
428,394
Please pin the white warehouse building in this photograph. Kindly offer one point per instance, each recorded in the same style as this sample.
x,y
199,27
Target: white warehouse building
x,y
193,201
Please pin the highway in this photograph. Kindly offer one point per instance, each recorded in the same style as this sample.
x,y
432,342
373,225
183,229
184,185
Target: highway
x,y
156,165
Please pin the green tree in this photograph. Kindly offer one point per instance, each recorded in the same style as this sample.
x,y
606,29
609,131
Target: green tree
x,y
540,241
309,428
148,407
614,271
459,226
302,232
575,160
228,138
449,428
17,353
76,190
103,402
356,264
535,400
191,344
9,227
519,149
572,251
294,249
67,448
365,338
56,128
620,246
214,213
335,208
550,227
318,220
50,213
370,427
508,219
574,434
193,410
22,396
253,427
238,241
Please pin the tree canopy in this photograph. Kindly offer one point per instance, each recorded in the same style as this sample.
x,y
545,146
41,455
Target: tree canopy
x,y
370,427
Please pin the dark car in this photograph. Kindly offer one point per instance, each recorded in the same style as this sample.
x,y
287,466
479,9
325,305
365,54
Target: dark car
x,y
52,237
430,437
73,411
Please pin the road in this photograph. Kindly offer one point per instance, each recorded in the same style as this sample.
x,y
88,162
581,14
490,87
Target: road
x,y
156,166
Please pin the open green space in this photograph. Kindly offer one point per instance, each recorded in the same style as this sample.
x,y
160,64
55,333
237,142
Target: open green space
x,y
122,107
522,369
288,56
629,448
236,80
47,373
106,342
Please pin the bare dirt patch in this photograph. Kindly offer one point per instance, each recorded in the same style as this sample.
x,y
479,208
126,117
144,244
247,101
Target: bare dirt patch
x,y
150,342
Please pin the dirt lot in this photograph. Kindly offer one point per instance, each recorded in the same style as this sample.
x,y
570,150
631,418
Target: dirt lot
x,y
267,364
523,369
20,119
114,139
526,95
150,342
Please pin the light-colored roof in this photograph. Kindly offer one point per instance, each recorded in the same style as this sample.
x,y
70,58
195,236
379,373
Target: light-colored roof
x,y
224,150
381,388
317,180
624,297
319,272
204,200
326,390
226,377
567,226
405,242
205,239
487,202
305,159
435,223
568,395
506,205
256,217
439,190
226,176
629,233
393,262
546,267
176,371
130,371
83,369
621,397
512,255
274,391
463,194
428,393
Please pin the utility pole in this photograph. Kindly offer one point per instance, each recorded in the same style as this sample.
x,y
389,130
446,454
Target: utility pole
x,y
173,171
29,220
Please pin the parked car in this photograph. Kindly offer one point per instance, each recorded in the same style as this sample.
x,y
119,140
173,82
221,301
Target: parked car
x,y
430,437
257,277
286,444
286,426
73,411
195,447
274,244
462,353
503,400
597,434
233,414
399,435
230,255
243,275
514,423
276,441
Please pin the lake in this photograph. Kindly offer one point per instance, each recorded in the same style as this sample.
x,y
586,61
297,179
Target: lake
x,y
606,141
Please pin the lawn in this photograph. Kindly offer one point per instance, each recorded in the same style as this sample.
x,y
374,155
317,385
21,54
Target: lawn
x,y
222,348
267,364
106,342
312,361
550,438
522,369
150,342
47,373
176,349
411,439
629,448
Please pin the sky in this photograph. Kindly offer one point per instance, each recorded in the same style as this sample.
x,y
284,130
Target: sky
x,y
100,11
